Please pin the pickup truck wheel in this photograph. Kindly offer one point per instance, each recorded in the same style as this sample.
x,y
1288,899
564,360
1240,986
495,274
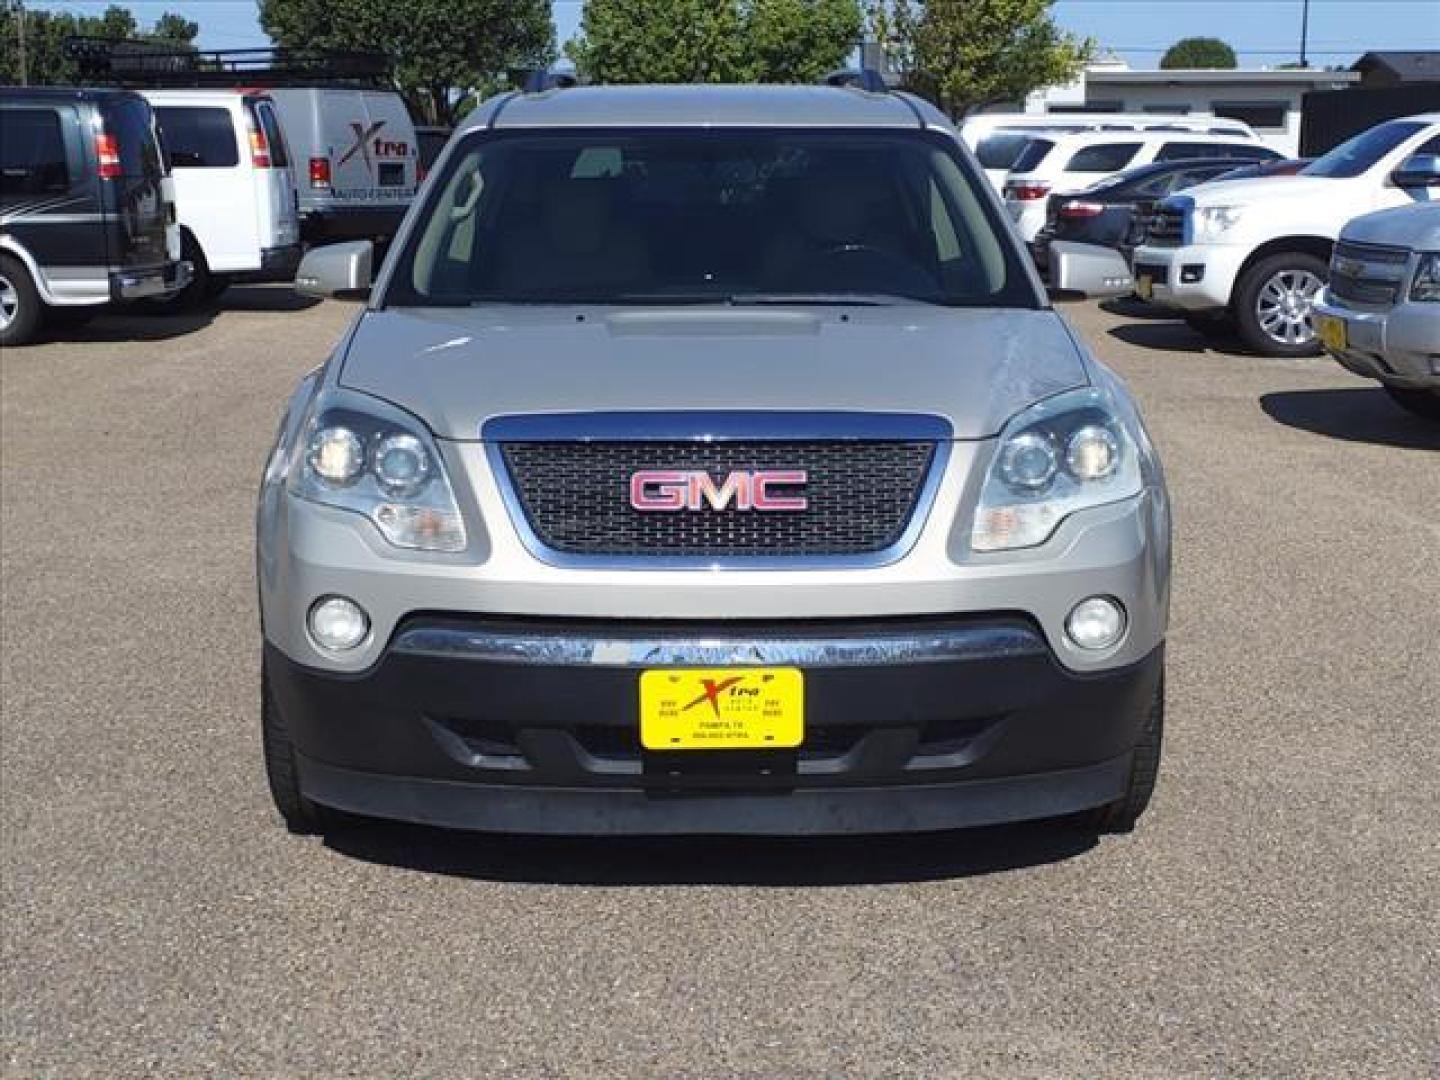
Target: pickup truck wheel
x,y
301,815
1121,815
20,307
1273,302
1424,403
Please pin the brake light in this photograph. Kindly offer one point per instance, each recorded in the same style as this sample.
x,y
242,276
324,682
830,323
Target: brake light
x,y
319,172
259,149
107,152
1076,208
1028,192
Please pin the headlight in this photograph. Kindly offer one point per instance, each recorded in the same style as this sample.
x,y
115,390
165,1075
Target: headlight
x,y
1065,454
362,455
1427,278
1213,222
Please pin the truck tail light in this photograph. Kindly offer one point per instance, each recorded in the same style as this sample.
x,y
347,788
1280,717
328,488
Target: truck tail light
x,y
259,149
107,153
319,172
1075,208
1028,192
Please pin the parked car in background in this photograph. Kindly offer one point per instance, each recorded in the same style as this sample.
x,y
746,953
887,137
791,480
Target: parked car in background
x,y
357,160
998,138
1380,315
234,187
1115,212
1255,254
430,140
818,578
1059,164
1278,167
87,212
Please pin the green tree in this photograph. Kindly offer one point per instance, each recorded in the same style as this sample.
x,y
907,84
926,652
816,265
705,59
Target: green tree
x,y
46,31
669,41
444,52
965,54
1198,52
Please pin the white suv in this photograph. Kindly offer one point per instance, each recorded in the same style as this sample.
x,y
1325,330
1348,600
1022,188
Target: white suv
x,y
1058,164
1255,253
234,190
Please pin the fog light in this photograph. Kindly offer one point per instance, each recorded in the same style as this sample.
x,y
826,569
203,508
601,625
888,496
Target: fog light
x,y
337,623
1096,623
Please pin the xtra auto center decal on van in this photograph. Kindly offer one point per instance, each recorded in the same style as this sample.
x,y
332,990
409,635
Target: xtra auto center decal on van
x,y
384,161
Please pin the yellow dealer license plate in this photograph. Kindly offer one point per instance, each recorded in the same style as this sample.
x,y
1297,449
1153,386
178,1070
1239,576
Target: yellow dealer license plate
x,y
1332,332
1144,287
722,708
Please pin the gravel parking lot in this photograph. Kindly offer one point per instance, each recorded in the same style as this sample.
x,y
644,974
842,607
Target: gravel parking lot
x,y
1275,915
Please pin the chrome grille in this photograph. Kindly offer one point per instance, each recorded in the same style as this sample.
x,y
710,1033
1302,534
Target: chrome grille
x,y
1367,274
575,497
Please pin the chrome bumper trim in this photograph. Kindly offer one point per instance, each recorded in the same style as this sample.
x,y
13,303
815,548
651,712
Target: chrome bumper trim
x,y
560,649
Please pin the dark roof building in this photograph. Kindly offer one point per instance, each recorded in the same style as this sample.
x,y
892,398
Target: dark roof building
x,y
1394,68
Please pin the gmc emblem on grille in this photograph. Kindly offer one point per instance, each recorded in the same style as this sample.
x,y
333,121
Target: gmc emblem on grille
x,y
695,489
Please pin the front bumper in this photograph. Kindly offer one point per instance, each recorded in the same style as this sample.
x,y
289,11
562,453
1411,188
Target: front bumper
x,y
1399,347
532,726
156,281
1089,269
1168,268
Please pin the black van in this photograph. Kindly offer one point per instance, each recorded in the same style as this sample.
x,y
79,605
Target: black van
x,y
87,213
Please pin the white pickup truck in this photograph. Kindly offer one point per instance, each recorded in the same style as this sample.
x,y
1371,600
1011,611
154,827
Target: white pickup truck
x,y
1253,255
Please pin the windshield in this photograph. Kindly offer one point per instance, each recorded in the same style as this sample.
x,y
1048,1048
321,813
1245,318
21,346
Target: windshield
x,y
1355,156
685,216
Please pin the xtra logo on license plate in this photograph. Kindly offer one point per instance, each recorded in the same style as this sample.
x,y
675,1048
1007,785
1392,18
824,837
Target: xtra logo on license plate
x,y
722,709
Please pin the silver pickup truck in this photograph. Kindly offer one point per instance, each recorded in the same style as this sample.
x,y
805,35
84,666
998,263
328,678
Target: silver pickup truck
x,y
1380,317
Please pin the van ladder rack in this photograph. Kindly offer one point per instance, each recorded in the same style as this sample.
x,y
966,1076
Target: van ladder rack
x,y
155,64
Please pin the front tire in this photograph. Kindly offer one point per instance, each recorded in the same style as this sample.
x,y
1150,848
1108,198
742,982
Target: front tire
x,y
20,306
1424,403
1121,815
1273,304
301,815
197,291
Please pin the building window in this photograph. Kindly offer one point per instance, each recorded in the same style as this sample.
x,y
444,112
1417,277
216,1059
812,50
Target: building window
x,y
1258,114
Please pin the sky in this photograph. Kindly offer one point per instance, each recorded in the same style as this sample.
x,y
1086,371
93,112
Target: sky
x,y
1262,31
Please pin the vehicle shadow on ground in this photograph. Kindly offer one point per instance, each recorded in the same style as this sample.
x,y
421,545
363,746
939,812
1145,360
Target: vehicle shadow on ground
x,y
277,298
1173,337
1132,307
740,861
1360,415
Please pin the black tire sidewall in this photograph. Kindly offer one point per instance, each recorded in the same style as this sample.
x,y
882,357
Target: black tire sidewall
x,y
1248,291
28,315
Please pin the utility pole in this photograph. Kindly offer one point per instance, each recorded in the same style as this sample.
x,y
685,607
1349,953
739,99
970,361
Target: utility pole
x,y
20,30
1304,33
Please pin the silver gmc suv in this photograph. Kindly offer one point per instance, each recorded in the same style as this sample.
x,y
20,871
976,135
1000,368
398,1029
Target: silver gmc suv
x,y
709,460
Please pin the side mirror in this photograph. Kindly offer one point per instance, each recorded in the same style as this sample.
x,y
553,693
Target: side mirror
x,y
341,271
1417,171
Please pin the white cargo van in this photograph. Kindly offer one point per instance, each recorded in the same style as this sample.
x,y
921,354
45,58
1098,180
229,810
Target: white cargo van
x,y
234,190
356,160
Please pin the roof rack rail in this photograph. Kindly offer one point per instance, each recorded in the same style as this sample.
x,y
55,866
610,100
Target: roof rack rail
x,y
867,79
155,64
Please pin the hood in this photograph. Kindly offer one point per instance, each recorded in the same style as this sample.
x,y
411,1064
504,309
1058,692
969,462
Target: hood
x,y
1259,189
1415,227
456,368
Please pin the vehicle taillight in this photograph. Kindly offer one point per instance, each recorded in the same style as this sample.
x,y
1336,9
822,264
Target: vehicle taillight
x,y
1075,208
107,152
259,148
319,172
1028,192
